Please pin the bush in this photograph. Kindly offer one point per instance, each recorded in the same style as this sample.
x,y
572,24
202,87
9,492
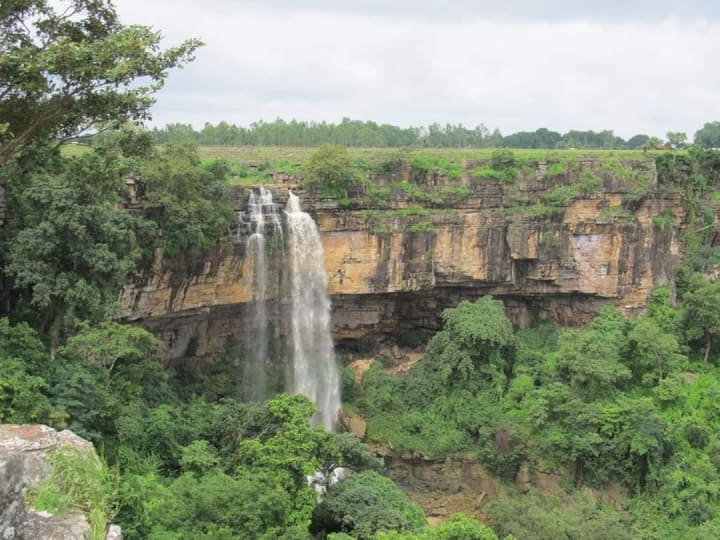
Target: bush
x,y
364,504
331,168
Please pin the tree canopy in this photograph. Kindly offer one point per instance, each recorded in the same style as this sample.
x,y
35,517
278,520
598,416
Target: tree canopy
x,y
70,66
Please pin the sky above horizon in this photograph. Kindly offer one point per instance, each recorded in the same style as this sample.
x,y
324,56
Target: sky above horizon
x,y
630,66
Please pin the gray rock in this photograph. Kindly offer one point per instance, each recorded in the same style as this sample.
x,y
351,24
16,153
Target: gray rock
x,y
24,452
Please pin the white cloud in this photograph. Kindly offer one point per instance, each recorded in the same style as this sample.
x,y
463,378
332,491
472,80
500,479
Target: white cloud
x,y
261,62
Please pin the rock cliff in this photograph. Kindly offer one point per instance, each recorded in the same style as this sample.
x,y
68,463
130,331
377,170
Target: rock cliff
x,y
558,239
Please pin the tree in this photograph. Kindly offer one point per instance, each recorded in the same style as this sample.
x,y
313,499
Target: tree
x,y
637,141
189,205
110,342
69,248
677,139
653,143
291,454
591,359
330,167
458,527
654,352
67,69
477,336
702,310
365,503
709,135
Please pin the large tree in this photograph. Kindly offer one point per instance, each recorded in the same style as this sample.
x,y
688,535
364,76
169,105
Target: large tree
x,y
66,66
702,311
709,135
70,65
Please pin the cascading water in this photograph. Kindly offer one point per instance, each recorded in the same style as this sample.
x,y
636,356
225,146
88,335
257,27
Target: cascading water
x,y
315,373
264,224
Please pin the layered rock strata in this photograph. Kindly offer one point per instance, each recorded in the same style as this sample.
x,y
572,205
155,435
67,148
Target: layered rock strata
x,y
560,246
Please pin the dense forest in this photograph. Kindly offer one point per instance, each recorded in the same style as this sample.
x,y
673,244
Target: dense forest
x,y
624,401
370,134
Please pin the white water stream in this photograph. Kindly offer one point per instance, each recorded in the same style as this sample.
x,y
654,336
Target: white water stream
x,y
315,373
264,223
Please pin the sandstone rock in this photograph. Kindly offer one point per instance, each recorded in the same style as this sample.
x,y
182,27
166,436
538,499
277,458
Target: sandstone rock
x,y
395,281
547,481
24,451
360,367
448,476
355,424
522,479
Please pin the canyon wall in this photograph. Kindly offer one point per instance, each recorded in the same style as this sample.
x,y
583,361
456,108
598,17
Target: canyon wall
x,y
557,240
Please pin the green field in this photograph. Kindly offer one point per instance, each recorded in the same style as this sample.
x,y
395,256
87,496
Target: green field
x,y
375,156
258,164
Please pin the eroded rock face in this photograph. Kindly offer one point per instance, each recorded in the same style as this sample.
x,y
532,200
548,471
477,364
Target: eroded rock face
x,y
24,451
392,273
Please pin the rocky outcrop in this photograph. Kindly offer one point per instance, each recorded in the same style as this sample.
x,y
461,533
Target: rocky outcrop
x,y
24,452
559,246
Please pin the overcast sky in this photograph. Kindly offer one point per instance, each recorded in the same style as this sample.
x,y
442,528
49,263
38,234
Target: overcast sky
x,y
635,67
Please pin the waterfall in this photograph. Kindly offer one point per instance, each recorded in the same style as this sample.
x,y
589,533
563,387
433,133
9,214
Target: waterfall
x,y
261,213
315,373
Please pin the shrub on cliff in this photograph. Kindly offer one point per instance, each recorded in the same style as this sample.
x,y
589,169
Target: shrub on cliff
x,y
330,169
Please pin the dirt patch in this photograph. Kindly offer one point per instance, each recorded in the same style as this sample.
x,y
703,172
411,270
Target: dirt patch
x,y
360,367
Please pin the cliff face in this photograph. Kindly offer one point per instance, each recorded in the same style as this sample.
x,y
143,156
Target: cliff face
x,y
554,241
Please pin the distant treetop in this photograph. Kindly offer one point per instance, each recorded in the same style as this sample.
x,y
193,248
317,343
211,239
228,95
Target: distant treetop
x,y
371,134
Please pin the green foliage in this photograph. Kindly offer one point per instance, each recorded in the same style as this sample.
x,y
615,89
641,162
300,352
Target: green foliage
x,y
364,504
72,65
702,311
481,325
532,515
23,395
69,248
77,481
503,159
330,167
421,227
458,527
426,164
592,360
556,169
709,135
665,220
677,139
23,386
108,343
186,207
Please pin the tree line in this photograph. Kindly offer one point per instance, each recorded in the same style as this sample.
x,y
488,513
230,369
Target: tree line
x,y
371,134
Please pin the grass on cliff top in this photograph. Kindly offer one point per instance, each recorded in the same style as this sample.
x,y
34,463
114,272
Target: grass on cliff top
x,y
376,156
258,164
261,161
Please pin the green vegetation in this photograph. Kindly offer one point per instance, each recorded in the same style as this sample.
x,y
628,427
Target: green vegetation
x,y
366,503
355,133
80,482
709,135
425,164
331,169
628,402
623,400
